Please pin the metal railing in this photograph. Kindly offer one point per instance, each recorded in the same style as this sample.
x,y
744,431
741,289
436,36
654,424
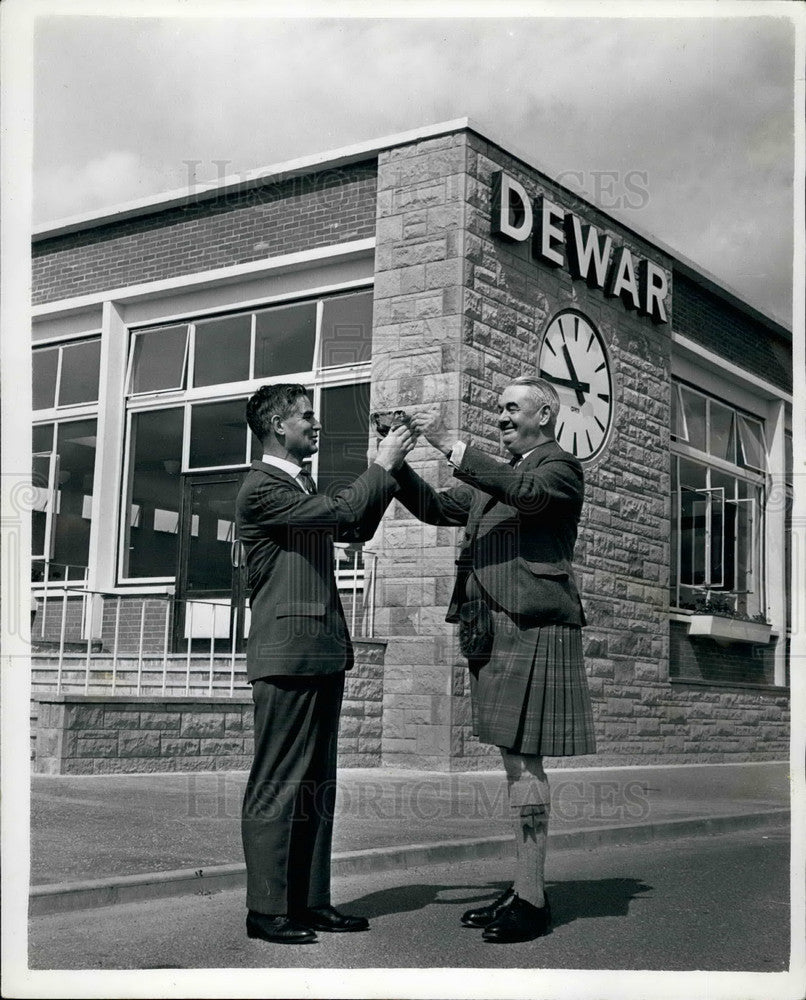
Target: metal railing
x,y
117,649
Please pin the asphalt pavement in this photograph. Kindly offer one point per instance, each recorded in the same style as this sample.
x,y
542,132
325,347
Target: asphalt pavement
x,y
105,839
703,903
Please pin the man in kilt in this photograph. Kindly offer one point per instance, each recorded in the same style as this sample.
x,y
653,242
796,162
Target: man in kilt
x,y
520,618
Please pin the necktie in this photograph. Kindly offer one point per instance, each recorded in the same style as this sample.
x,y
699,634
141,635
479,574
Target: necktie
x,y
306,481
515,460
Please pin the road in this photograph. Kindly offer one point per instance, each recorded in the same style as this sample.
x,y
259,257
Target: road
x,y
708,903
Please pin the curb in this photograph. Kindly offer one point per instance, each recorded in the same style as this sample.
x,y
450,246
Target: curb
x,y
69,896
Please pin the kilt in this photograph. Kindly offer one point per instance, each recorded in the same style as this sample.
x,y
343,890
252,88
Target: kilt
x,y
532,695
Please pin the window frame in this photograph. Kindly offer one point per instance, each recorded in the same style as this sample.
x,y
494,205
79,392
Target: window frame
x,y
757,481
317,378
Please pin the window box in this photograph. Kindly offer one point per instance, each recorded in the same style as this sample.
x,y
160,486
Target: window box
x,y
724,629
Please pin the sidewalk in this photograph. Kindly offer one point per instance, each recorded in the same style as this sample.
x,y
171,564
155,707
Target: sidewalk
x,y
106,838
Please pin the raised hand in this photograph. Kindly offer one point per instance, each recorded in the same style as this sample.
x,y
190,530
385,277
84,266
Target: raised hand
x,y
433,427
394,447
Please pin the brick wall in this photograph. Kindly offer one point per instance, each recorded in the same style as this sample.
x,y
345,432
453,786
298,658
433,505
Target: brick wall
x,y
319,209
723,329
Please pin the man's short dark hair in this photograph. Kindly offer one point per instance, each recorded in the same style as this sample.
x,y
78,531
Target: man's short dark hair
x,y
270,400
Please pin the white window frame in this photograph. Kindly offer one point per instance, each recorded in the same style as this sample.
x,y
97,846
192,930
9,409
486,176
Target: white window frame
x,y
757,554
58,345
317,379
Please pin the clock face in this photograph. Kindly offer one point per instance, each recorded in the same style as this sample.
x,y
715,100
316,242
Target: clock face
x,y
573,358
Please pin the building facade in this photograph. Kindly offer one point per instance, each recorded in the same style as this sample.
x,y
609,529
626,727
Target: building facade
x,y
429,268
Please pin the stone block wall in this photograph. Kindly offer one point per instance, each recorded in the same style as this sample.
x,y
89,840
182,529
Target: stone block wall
x,y
459,313
129,733
417,360
98,734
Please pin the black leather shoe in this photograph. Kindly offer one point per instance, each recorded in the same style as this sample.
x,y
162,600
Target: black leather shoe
x,y
519,921
328,918
486,914
277,929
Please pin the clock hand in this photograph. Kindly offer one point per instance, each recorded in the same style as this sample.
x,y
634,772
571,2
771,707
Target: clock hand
x,y
566,382
573,374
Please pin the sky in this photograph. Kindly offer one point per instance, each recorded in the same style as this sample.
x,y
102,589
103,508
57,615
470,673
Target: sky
x,y
680,126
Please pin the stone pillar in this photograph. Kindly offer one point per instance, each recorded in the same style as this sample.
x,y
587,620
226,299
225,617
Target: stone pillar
x,y
417,360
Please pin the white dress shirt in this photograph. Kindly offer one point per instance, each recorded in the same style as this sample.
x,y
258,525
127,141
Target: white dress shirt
x,y
284,465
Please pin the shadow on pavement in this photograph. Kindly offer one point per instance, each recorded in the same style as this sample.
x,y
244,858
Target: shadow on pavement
x,y
570,900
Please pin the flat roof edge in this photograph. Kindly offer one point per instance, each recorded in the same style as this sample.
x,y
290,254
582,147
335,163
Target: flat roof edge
x,y
244,181
368,149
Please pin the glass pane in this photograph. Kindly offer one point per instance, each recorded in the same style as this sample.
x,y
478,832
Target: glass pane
x,y
222,350
42,438
345,435
155,462
744,546
678,424
694,406
692,537
75,476
692,474
159,359
81,365
284,340
42,490
346,330
751,441
209,568
716,502
722,442
45,363
218,434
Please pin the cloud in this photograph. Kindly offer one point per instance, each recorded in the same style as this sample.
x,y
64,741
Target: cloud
x,y
702,106
114,177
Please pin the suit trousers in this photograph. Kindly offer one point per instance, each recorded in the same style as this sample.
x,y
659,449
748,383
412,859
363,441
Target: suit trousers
x,y
290,797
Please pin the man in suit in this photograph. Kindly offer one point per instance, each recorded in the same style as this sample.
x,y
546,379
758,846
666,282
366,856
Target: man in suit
x,y
297,653
528,685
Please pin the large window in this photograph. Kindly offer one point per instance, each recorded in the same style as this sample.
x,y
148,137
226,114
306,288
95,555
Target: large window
x,y
718,495
66,374
65,399
187,385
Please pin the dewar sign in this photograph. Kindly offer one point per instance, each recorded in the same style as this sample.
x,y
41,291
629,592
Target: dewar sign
x,y
561,239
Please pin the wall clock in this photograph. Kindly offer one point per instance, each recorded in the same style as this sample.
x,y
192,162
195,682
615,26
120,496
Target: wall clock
x,y
573,358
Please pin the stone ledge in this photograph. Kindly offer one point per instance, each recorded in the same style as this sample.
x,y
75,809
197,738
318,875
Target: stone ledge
x,y
774,689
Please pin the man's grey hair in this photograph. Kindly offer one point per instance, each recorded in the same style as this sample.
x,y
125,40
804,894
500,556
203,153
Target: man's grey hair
x,y
544,391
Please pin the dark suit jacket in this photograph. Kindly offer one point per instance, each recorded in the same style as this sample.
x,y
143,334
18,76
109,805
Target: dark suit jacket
x,y
521,527
298,624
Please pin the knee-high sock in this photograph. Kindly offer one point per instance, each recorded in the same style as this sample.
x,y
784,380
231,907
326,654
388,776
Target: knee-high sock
x,y
531,834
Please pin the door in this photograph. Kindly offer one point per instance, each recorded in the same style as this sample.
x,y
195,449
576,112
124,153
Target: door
x,y
210,585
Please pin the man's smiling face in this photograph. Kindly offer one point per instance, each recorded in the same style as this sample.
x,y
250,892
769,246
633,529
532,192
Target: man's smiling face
x,y
301,429
522,419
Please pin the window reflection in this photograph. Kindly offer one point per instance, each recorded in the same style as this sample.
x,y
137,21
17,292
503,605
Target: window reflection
x,y
284,340
346,330
222,350
158,359
218,434
150,548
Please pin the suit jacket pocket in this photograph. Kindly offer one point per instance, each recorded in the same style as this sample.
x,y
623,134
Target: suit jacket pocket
x,y
312,609
556,570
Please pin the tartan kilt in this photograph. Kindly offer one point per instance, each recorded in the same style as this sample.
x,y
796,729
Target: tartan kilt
x,y
532,695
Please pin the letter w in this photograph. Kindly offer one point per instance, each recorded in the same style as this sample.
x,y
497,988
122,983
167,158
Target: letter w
x,y
588,252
